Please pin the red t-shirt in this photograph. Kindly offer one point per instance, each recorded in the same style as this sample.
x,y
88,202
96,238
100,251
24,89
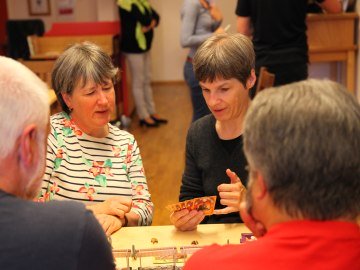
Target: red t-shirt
x,y
295,245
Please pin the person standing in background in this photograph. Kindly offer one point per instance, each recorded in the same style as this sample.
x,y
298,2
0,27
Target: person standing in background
x,y
200,19
278,31
138,20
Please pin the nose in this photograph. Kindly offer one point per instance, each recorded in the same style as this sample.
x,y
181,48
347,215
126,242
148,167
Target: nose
x,y
212,100
102,97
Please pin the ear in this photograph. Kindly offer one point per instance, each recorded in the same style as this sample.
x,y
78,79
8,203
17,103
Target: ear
x,y
27,145
260,187
251,80
67,99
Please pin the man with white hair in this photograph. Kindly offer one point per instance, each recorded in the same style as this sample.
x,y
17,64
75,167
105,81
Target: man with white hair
x,y
302,143
34,235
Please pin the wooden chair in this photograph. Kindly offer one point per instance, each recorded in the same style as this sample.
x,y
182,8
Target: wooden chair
x,y
43,70
40,68
266,80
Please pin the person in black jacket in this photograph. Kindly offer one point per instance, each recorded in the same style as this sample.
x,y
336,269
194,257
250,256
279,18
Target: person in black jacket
x,y
138,19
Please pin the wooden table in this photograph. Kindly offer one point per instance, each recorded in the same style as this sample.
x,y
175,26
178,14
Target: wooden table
x,y
331,38
139,239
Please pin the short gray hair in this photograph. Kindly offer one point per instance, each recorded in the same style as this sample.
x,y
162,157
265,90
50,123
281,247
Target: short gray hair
x,y
80,63
24,100
226,56
305,139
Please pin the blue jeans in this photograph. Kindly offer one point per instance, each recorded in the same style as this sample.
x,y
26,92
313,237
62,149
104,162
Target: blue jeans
x,y
200,108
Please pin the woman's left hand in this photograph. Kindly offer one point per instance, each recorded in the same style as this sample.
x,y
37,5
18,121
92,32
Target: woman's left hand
x,y
215,13
110,224
230,194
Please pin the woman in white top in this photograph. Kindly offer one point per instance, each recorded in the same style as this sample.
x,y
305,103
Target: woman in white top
x,y
88,159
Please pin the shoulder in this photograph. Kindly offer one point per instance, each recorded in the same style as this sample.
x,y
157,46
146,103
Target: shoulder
x,y
120,134
69,214
55,214
213,255
70,209
58,118
57,125
205,123
224,257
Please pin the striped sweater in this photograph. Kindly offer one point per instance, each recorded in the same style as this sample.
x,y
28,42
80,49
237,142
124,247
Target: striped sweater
x,y
84,168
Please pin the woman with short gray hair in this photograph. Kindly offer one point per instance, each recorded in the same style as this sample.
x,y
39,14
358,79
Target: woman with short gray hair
x,y
88,159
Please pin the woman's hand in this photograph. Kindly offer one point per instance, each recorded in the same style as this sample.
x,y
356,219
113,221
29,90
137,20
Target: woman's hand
x,y
110,224
152,25
184,220
231,194
215,13
116,206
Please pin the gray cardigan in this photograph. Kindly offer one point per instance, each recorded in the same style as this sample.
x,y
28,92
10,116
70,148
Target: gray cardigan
x,y
196,25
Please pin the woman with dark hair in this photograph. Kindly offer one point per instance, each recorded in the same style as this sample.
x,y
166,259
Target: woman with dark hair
x,y
215,162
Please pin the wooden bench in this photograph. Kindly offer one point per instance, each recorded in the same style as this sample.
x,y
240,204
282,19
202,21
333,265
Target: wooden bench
x,y
50,47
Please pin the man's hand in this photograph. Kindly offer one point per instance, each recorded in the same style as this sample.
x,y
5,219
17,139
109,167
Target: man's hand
x,y
184,220
257,228
230,194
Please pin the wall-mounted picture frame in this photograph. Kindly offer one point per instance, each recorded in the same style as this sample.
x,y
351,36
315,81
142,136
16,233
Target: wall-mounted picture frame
x,y
39,7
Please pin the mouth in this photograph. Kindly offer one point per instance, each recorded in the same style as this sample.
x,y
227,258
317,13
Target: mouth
x,y
218,110
102,111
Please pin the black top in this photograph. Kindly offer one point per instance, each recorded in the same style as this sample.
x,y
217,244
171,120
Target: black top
x,y
207,158
53,235
128,22
279,34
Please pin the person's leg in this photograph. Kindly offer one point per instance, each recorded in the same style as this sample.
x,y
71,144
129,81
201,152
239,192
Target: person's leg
x,y
148,93
288,73
200,108
136,65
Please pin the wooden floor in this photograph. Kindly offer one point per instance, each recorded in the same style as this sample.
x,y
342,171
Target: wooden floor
x,y
163,148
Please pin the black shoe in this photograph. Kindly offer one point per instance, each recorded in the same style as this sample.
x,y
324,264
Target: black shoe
x,y
159,120
142,122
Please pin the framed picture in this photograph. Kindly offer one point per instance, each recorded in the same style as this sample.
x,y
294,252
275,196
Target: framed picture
x,y
39,7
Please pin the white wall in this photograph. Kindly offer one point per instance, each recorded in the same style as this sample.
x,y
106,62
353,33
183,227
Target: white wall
x,y
167,55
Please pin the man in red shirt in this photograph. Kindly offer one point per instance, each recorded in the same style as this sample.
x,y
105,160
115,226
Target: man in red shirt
x,y
302,143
